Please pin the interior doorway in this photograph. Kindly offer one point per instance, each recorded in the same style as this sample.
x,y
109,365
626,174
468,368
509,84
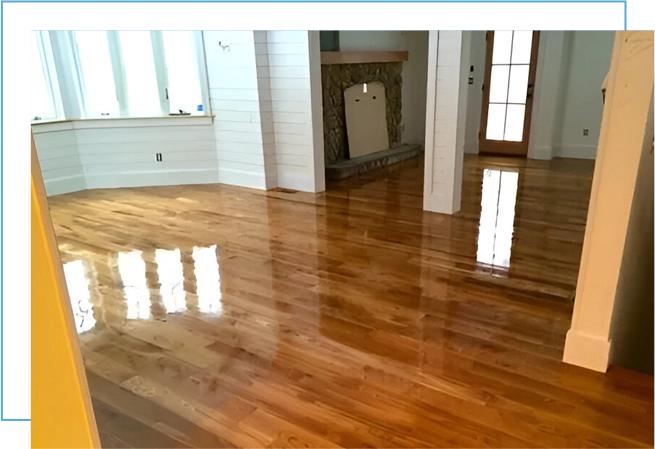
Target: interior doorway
x,y
508,88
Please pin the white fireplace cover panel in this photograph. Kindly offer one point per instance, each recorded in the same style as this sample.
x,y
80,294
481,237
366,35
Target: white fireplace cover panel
x,y
366,118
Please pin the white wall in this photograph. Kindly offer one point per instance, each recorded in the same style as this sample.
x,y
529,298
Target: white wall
x,y
93,154
571,67
478,53
118,154
59,158
588,63
234,95
414,71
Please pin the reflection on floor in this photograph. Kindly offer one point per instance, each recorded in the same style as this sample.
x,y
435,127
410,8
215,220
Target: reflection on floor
x,y
218,316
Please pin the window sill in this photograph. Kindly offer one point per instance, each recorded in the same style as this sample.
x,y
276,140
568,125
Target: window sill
x,y
121,122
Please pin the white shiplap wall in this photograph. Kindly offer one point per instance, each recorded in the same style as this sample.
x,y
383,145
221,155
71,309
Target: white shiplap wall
x,y
291,102
266,108
445,120
234,96
122,153
59,158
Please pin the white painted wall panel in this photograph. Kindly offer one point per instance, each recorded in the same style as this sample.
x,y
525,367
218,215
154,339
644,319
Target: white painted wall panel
x,y
235,98
59,158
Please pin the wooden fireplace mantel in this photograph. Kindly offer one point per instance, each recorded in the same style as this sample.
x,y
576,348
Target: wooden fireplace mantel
x,y
362,57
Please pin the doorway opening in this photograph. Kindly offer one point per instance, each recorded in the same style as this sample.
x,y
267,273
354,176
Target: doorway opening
x,y
510,71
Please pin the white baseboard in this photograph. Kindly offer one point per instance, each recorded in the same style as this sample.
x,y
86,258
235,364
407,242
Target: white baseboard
x,y
440,204
242,178
150,178
587,351
578,151
68,184
295,181
541,152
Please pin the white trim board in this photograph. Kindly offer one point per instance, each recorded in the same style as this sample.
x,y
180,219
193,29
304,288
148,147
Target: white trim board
x,y
151,178
68,184
577,151
241,178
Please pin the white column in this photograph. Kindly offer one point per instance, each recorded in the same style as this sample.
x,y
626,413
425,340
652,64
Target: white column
x,y
448,63
623,130
293,78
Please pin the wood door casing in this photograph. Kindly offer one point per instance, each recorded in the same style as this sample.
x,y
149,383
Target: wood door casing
x,y
505,147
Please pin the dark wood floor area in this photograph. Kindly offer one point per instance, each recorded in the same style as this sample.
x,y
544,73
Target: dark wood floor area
x,y
218,316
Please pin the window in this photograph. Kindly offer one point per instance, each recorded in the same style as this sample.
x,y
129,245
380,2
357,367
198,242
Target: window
x,y
140,74
96,73
182,66
44,93
121,74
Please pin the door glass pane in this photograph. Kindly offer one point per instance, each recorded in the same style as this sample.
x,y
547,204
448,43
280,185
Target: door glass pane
x,y
498,88
97,75
522,47
514,123
502,47
518,84
496,122
139,65
182,69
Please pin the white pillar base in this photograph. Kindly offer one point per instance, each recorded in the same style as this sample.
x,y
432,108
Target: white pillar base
x,y
587,351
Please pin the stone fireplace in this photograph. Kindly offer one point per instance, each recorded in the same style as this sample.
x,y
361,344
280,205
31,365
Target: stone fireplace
x,y
341,70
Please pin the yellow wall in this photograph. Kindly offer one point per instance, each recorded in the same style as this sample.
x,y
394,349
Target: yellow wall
x,y
61,406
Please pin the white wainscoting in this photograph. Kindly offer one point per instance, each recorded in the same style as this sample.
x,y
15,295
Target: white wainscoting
x,y
59,158
114,153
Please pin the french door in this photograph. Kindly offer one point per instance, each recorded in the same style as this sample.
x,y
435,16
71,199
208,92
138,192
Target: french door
x,y
508,88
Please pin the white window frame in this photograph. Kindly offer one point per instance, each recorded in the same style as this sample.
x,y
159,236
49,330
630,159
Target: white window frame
x,y
64,57
48,65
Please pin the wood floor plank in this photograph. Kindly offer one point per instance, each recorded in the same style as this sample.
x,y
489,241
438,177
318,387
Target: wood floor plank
x,y
219,316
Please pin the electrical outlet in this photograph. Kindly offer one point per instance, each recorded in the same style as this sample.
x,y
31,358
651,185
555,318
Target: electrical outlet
x,y
158,157
585,132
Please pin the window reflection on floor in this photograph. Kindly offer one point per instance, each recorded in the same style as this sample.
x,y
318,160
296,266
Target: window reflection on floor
x,y
499,190
132,269
171,279
78,290
208,279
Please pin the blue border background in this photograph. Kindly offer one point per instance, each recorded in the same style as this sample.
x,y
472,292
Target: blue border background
x,y
262,15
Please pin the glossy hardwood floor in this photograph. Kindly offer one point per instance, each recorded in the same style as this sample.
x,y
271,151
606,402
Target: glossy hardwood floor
x,y
218,316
